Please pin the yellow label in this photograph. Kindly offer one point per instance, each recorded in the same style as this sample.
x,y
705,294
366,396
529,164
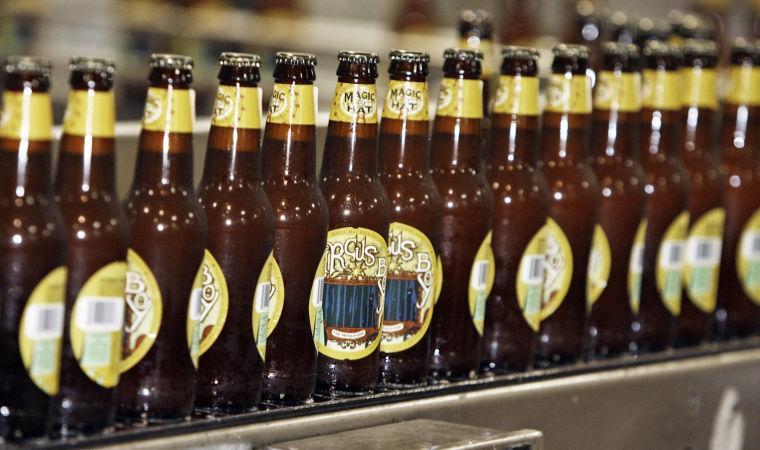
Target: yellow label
x,y
41,330
142,319
26,115
460,98
530,279
670,263
702,266
744,86
618,91
748,258
209,302
599,263
293,104
410,288
406,100
96,324
661,89
354,103
90,113
558,266
268,301
517,95
237,107
487,48
439,278
169,110
636,267
700,88
482,275
569,94
347,296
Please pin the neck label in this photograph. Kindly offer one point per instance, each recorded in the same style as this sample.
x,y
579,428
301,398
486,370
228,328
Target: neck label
x,y
354,103
26,115
517,95
293,104
237,107
169,110
744,86
460,98
90,113
699,88
660,89
618,91
568,94
406,100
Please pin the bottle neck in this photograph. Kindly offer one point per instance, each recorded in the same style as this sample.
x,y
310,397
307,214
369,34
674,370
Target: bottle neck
x,y
660,130
699,102
616,106
350,148
405,127
567,118
514,121
457,127
739,137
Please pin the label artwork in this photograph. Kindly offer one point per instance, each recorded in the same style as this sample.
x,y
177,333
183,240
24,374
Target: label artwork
x,y
748,258
517,95
530,279
406,100
293,104
26,115
142,318
618,91
599,263
661,89
354,103
97,320
237,107
209,301
41,330
636,267
482,276
90,113
670,263
569,94
461,98
410,288
703,259
347,297
699,88
268,301
559,268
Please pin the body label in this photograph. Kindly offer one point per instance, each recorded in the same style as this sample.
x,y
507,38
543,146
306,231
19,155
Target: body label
x,y
530,279
702,266
569,94
460,98
237,107
406,100
97,320
670,263
354,102
169,110
748,258
293,104
482,275
636,267
618,91
41,331
268,301
599,263
558,266
347,296
142,318
699,88
410,288
517,95
90,113
660,89
26,115
209,301
744,86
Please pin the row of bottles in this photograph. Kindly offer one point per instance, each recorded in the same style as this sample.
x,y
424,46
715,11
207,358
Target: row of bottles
x,y
584,229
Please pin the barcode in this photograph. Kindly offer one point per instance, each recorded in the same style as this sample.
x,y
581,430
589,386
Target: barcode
x,y
318,288
672,255
44,321
704,251
262,295
751,246
100,313
479,279
637,258
195,309
533,269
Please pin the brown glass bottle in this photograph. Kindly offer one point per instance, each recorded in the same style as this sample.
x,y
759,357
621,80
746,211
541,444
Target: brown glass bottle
x,y
614,280
167,234
706,214
240,236
573,205
520,210
97,236
465,232
738,310
289,180
32,253
666,187
356,257
415,217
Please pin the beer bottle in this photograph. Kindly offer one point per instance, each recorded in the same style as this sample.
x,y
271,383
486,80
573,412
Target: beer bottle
x,y
465,231
738,310
237,281
167,235
413,272
699,103
614,274
520,210
97,235
289,179
666,188
350,286
476,32
32,253
573,204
